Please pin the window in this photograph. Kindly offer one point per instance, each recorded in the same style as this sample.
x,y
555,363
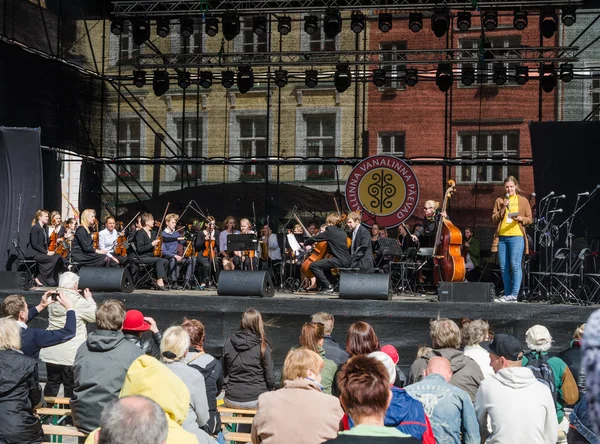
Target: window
x,y
487,145
486,71
252,43
391,143
128,49
318,41
191,144
320,142
253,143
192,44
595,93
129,145
395,71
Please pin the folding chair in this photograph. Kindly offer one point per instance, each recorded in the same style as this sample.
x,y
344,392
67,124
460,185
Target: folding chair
x,y
23,264
145,276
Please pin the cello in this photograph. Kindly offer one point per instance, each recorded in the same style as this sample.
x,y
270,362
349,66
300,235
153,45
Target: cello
x,y
317,253
447,257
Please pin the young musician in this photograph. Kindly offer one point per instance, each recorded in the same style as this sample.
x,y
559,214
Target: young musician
x,y
246,260
82,248
171,241
145,240
49,263
228,228
107,239
361,248
471,249
55,225
406,241
70,227
208,260
338,247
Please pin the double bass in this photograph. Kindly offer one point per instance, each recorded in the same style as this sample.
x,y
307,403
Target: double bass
x,y
447,257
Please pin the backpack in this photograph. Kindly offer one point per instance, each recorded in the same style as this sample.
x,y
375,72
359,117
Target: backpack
x,y
542,371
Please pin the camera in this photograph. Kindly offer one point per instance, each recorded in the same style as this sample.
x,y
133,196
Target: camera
x,y
53,295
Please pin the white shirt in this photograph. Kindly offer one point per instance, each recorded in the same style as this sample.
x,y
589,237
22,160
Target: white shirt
x,y
482,357
107,240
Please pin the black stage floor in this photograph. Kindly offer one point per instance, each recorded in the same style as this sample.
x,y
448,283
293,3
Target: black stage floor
x,y
403,321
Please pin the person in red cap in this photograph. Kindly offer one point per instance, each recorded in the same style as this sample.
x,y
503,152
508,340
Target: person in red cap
x,y
391,351
134,327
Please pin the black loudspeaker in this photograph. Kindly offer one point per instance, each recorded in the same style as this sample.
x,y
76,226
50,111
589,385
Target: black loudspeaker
x,y
15,280
116,279
466,292
365,286
246,283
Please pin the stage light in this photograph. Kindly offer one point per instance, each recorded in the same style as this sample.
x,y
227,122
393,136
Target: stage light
x,y
342,79
311,78
467,76
281,77
160,82
415,21
521,74
311,24
211,26
490,20
547,76
566,72
463,21
499,74
140,31
520,20
206,79
116,26
245,79
231,25
548,22
284,25
385,22
357,22
227,79
439,22
379,77
259,24
444,76
183,79
332,23
186,27
569,16
162,27
139,77
412,77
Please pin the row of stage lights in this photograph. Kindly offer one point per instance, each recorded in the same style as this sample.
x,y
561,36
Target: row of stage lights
x,y
342,77
332,23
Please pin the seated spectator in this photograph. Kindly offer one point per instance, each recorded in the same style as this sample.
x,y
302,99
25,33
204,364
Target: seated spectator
x,y
59,358
300,409
581,429
134,327
333,350
572,357
209,367
34,339
174,347
520,408
391,351
449,408
133,419
100,366
20,391
445,339
365,396
473,334
312,338
591,366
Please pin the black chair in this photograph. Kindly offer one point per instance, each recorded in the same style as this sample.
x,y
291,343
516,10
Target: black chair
x,y
23,263
145,274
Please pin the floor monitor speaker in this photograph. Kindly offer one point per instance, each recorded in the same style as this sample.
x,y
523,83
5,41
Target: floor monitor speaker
x,y
16,280
246,283
365,286
482,292
115,279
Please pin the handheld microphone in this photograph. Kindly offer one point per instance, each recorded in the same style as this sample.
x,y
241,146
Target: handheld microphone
x,y
507,196
558,210
587,193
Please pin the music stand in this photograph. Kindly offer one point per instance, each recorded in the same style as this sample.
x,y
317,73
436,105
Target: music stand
x,y
242,242
390,247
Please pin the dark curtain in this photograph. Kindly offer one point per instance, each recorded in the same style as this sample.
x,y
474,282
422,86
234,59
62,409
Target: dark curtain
x,y
52,186
91,187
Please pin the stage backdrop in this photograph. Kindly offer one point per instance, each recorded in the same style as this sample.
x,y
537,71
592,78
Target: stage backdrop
x,y
20,186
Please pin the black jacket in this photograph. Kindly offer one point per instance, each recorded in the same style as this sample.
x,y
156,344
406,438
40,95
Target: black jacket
x,y
362,251
20,394
247,374
38,241
150,345
82,242
572,357
212,370
334,351
201,238
337,244
143,243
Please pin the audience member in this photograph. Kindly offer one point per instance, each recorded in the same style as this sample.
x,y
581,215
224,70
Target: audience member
x,y
100,366
572,357
391,351
333,350
134,327
473,334
520,408
300,409
591,366
581,429
20,391
312,338
448,408
445,339
59,358
361,339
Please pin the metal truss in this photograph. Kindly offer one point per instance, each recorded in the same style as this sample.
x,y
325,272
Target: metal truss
x,y
172,8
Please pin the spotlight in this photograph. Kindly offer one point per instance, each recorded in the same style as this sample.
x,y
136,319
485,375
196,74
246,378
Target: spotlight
x,y
444,76
211,26
284,25
311,24
231,25
140,31
490,20
183,79
139,77
520,20
311,78
206,79
521,74
385,22
548,22
547,76
186,27
259,24
245,79
281,77
227,79
499,74
467,74
162,27
342,78
566,72
415,21
116,26
569,16
160,82
412,77
439,22
357,22
332,23
379,77
463,21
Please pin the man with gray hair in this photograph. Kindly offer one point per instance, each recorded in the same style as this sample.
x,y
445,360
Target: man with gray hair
x,y
333,350
133,419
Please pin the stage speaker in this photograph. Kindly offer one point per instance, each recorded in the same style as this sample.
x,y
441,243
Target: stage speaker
x,y
245,283
466,292
15,280
365,286
115,279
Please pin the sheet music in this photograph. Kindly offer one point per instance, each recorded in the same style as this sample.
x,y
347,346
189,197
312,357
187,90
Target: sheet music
x,y
295,246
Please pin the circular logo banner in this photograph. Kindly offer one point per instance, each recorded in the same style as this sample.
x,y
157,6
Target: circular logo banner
x,y
385,189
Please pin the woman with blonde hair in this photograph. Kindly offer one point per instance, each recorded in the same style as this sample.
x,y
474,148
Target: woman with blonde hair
x,y
83,250
312,338
49,263
228,228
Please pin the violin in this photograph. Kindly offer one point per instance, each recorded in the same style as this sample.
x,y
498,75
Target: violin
x,y
158,248
95,235
53,241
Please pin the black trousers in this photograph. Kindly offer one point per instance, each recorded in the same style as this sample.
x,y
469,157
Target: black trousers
x,y
161,265
57,375
319,267
49,267
205,269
